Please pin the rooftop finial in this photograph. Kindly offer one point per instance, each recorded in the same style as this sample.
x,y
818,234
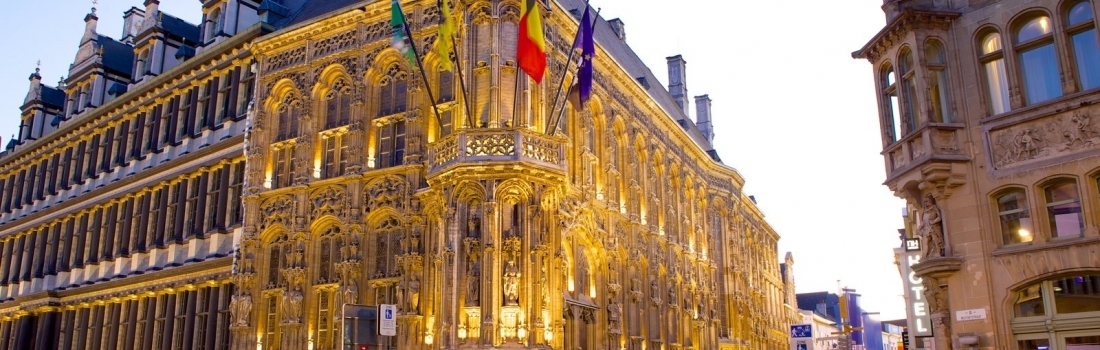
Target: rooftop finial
x,y
38,67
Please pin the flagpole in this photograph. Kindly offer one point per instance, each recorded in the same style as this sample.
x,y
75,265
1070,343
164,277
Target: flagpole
x,y
515,94
462,83
552,124
427,84
554,105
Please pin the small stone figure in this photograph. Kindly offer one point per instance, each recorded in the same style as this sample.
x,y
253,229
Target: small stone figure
x,y
473,287
511,284
931,228
240,306
413,291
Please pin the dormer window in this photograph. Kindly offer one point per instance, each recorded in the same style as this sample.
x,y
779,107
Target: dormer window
x,y
213,24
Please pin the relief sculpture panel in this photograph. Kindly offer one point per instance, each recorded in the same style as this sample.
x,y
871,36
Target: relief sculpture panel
x,y
1045,138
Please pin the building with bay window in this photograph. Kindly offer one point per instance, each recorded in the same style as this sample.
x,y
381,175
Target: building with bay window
x,y
990,132
232,184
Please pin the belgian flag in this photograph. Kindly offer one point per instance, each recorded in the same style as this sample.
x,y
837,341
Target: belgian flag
x,y
531,44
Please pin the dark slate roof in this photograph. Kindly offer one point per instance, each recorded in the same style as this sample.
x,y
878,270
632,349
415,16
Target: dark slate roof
x,y
311,9
53,97
175,25
809,302
117,56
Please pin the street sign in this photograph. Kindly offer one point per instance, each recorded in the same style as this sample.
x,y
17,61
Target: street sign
x,y
801,331
387,324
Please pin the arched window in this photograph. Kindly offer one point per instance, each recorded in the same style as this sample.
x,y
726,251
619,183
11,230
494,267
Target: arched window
x,y
1063,204
288,118
937,82
891,114
1015,219
328,252
1057,311
910,114
1038,61
1081,29
276,250
213,23
338,105
394,91
993,66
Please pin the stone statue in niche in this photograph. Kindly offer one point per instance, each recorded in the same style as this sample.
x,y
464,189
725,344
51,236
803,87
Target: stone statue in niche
x,y
473,227
511,284
292,306
351,293
654,291
412,290
614,314
473,287
931,228
240,306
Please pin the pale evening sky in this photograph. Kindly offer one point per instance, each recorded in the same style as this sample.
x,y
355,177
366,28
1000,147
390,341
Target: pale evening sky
x,y
793,112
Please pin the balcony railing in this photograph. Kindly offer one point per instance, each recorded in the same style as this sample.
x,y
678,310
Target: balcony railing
x,y
932,142
496,145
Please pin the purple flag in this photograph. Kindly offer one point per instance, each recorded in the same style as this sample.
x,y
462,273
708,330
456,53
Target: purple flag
x,y
588,49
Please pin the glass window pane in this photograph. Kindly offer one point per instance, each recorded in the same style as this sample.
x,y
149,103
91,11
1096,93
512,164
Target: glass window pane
x,y
998,86
991,43
941,104
1040,73
1077,294
895,115
1064,210
1088,342
1080,13
1029,302
1034,28
1015,220
933,53
1034,344
1087,57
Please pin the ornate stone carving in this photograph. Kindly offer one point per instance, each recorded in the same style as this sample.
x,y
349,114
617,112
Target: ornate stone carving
x,y
279,210
386,192
334,43
239,308
328,201
930,228
1043,138
511,283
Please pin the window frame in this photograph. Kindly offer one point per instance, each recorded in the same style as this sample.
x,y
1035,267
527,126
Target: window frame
x,y
1072,30
1048,206
985,59
888,91
1019,48
1026,210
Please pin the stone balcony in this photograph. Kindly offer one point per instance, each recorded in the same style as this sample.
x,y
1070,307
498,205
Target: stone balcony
x,y
482,146
932,143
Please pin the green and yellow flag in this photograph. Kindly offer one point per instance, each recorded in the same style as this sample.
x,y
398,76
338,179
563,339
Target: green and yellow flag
x,y
444,44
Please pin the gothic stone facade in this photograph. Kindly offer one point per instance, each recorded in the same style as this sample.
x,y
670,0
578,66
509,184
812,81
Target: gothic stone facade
x,y
619,230
990,130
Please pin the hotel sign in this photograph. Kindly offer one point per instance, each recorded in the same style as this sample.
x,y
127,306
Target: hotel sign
x,y
920,322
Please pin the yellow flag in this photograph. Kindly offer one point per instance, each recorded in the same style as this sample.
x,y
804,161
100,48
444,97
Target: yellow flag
x,y
444,42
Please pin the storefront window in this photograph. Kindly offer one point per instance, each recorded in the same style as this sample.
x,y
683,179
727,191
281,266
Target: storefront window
x,y
1067,308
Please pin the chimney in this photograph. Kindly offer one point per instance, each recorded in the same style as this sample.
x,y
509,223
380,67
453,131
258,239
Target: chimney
x,y
131,24
702,116
90,22
152,7
617,27
677,82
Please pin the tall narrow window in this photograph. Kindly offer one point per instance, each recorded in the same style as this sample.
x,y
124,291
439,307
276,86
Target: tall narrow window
x,y
236,180
1064,210
910,113
391,144
996,80
288,118
394,89
937,82
327,252
282,172
334,155
1038,61
1083,41
891,114
446,86
1015,220
245,90
338,105
324,319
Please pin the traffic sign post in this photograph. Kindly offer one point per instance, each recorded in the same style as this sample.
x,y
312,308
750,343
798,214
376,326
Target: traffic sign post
x,y
387,323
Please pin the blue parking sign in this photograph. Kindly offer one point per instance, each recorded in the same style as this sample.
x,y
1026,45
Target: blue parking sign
x,y
801,331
